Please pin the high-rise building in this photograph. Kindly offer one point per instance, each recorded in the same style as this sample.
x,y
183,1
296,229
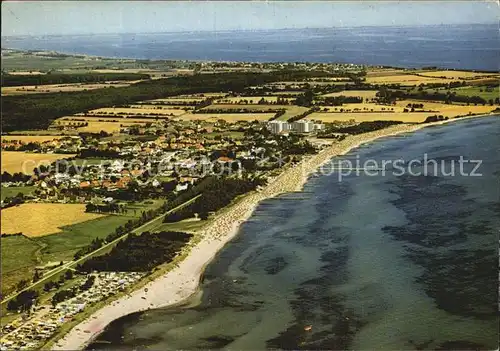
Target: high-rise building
x,y
298,126
303,126
278,126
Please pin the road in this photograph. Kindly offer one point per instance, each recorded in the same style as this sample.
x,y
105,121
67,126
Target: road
x,y
66,266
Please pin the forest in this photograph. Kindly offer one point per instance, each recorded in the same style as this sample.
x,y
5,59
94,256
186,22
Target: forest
x,y
139,253
217,193
363,127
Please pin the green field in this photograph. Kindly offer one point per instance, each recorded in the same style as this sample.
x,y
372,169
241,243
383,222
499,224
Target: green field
x,y
292,111
62,246
19,258
18,252
486,93
14,190
189,225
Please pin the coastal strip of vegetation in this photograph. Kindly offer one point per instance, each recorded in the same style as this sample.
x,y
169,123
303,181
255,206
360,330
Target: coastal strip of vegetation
x,y
363,127
217,194
138,253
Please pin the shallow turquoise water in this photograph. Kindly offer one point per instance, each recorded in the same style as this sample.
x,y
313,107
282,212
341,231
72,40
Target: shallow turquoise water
x,y
379,262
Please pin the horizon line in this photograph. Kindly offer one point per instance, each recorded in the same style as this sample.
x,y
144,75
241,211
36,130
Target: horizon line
x,y
255,30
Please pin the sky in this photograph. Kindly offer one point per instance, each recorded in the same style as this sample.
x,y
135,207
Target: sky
x,y
94,17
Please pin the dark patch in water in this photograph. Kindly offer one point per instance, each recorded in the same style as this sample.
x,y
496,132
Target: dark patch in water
x,y
461,345
276,265
217,341
459,280
315,305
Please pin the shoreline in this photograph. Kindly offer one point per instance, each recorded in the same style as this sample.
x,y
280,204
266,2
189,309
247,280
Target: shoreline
x,y
178,284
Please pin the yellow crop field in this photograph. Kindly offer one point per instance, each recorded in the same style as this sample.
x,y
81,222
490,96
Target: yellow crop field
x,y
117,119
254,107
363,107
32,138
458,74
37,219
26,73
180,99
135,111
291,92
18,161
302,83
167,109
379,72
448,110
331,79
96,127
249,99
228,117
370,116
365,94
406,79
53,88
221,94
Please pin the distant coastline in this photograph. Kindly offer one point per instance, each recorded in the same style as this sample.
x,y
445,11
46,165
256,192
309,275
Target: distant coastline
x,y
372,46
182,282
83,55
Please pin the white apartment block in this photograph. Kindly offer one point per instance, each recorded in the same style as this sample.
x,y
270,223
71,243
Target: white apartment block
x,y
303,126
278,126
298,126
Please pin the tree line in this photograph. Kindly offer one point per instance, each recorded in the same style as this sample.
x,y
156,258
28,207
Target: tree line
x,y
388,96
10,80
363,127
236,110
6,177
304,114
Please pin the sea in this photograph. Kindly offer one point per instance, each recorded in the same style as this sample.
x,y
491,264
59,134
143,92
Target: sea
x,y
395,261
473,47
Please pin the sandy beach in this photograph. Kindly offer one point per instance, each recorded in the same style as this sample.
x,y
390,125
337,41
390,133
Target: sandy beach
x,y
182,281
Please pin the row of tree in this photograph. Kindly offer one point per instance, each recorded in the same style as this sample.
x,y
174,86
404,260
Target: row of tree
x,y
104,208
304,114
340,100
235,110
10,201
6,177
